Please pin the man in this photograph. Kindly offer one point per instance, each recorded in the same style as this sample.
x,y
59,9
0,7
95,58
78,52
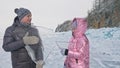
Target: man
x,y
20,38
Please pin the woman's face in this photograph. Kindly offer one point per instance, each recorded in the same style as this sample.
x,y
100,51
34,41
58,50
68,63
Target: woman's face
x,y
27,18
74,25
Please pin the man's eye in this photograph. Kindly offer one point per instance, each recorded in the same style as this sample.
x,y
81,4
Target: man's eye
x,y
28,16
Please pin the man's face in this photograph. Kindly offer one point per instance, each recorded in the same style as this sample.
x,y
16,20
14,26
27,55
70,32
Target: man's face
x,y
27,18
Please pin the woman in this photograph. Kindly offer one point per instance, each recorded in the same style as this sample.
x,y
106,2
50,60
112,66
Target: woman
x,y
20,35
78,48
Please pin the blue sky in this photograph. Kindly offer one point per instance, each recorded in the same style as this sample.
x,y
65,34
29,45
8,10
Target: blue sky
x,y
47,13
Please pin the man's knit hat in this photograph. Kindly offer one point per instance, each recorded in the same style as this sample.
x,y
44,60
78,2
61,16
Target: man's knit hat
x,y
21,12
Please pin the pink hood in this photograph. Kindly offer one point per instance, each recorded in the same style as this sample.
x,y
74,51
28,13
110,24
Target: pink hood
x,y
81,27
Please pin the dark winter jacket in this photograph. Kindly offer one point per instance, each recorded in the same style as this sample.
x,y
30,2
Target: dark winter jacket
x,y
13,43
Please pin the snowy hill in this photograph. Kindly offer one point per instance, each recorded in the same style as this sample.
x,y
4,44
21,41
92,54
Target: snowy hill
x,y
104,48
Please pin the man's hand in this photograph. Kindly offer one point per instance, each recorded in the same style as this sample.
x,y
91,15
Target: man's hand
x,y
30,39
39,64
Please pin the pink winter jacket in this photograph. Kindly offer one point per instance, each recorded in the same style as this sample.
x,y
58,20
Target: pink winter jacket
x,y
78,48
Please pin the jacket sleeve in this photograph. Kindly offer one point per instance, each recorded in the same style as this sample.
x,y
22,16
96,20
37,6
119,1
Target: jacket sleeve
x,y
39,49
9,44
83,51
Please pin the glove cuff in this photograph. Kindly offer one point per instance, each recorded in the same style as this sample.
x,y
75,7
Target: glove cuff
x,y
66,51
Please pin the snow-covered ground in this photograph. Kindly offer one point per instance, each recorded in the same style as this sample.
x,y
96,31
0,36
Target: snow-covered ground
x,y
104,48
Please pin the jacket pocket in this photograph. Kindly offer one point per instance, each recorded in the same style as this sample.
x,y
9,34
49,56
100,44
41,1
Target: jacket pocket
x,y
23,57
